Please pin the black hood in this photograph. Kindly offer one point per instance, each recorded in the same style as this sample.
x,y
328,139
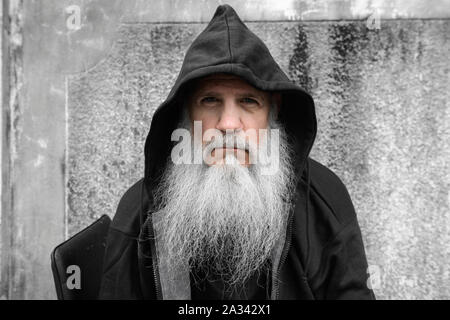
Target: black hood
x,y
228,46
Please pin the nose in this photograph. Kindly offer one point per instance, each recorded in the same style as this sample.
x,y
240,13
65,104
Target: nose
x,y
230,118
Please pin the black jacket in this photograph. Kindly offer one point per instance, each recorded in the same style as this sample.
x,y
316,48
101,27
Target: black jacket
x,y
322,254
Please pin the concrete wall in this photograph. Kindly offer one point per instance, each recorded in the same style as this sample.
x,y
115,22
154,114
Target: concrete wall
x,y
80,102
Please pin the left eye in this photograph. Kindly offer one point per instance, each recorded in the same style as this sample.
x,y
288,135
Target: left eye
x,y
249,100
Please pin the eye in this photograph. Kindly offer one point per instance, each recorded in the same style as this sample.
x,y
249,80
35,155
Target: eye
x,y
209,100
249,101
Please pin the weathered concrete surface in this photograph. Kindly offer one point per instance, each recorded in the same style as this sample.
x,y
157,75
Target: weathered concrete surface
x,y
39,49
275,10
384,127
33,155
73,144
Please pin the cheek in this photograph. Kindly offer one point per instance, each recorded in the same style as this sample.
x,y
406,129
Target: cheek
x,y
208,119
207,123
254,123
263,122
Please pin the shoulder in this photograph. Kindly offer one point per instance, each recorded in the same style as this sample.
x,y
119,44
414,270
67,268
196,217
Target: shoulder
x,y
332,191
129,209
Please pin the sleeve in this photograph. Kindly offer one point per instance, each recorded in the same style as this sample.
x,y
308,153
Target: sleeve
x,y
120,279
344,271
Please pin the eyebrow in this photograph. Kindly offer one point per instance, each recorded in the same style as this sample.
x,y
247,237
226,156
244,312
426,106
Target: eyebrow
x,y
252,94
241,95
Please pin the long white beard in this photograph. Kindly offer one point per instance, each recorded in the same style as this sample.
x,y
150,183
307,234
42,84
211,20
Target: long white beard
x,y
225,219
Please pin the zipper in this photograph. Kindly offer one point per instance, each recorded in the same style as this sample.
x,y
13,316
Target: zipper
x,y
284,255
147,225
286,246
151,233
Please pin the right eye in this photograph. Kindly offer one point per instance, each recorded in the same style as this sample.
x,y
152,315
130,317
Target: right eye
x,y
209,100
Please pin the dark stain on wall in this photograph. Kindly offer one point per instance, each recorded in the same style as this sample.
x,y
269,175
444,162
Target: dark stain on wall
x,y
299,68
403,37
344,45
348,42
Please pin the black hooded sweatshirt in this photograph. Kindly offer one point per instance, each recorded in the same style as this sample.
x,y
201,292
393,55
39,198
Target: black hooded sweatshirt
x,y
320,255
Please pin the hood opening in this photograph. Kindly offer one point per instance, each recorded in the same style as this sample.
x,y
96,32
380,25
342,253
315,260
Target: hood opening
x,y
228,46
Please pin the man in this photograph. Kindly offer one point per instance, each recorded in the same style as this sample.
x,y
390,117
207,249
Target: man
x,y
226,227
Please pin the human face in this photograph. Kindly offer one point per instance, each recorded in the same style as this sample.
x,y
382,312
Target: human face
x,y
226,102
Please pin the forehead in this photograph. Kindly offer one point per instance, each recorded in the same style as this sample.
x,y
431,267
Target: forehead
x,y
224,82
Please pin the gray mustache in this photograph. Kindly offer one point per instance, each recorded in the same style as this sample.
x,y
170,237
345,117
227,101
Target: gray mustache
x,y
229,141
